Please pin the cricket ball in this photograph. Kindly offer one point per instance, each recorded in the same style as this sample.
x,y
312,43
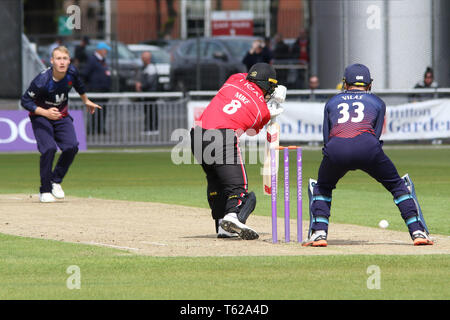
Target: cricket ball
x,y
383,224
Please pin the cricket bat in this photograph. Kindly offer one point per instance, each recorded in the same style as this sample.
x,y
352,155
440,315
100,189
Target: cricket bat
x,y
272,141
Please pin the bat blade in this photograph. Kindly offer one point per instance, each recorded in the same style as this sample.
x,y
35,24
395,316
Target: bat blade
x,y
272,141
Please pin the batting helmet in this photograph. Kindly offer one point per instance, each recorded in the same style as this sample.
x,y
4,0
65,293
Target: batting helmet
x,y
264,76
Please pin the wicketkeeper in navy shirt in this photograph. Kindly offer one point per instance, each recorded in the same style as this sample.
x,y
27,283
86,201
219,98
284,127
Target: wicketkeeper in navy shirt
x,y
352,126
47,100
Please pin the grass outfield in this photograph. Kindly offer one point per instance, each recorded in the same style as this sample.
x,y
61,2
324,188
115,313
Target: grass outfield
x,y
36,269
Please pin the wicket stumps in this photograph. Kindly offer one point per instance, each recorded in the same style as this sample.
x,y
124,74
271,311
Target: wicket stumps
x,y
273,172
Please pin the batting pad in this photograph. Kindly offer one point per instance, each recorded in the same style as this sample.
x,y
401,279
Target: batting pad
x,y
311,185
410,185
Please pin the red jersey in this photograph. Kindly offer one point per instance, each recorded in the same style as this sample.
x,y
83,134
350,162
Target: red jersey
x,y
239,105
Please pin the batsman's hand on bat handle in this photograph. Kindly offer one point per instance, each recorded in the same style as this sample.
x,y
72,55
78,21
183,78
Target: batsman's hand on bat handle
x,y
278,97
275,110
279,94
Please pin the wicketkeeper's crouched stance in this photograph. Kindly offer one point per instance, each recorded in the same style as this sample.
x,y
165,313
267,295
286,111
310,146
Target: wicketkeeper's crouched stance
x,y
352,126
239,107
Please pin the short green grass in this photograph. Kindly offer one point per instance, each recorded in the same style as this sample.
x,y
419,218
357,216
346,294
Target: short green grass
x,y
36,269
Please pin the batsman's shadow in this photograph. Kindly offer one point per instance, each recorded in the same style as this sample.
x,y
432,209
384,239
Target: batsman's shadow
x,y
210,236
262,236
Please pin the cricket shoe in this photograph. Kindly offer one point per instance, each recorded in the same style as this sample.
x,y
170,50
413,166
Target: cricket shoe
x,y
225,234
46,197
57,191
421,238
317,239
231,223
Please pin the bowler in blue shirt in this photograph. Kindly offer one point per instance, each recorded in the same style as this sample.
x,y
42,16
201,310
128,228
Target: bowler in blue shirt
x,y
47,100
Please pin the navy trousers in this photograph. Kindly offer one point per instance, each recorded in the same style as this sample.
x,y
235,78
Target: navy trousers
x,y
364,152
49,135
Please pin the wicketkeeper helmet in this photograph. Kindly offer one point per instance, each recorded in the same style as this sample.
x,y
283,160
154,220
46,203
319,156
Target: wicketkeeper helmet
x,y
357,74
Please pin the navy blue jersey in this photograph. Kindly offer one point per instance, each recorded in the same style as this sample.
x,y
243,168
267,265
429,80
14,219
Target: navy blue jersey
x,y
48,93
351,113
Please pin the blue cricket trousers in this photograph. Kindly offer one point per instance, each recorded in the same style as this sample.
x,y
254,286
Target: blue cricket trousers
x,y
363,152
49,135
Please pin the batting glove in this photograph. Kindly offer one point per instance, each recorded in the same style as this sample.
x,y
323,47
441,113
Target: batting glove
x,y
279,94
275,109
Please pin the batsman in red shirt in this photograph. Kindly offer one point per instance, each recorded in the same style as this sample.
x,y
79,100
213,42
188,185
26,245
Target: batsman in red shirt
x,y
240,106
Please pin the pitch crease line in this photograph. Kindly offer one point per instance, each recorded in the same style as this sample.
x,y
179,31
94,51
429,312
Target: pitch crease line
x,y
111,246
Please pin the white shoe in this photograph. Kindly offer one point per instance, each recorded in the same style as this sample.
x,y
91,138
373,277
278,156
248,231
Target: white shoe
x,y
46,197
230,223
421,238
57,191
225,234
317,239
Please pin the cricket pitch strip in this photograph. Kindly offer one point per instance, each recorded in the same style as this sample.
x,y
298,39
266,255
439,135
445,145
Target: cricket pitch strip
x,y
156,229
